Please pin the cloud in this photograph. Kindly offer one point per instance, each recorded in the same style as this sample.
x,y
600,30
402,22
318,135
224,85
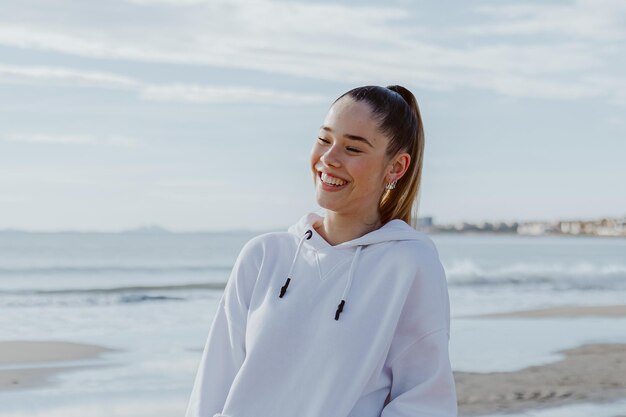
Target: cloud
x,y
175,92
343,43
72,139
16,73
214,94
41,138
169,2
11,198
224,198
600,20
192,183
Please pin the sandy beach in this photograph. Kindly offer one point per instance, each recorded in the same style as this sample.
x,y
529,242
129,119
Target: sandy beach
x,y
587,373
564,311
19,361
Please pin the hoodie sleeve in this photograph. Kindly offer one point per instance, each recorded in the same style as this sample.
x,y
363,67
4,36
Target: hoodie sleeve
x,y
422,379
224,349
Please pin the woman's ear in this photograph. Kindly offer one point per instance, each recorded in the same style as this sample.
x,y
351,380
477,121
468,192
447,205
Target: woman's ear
x,y
398,166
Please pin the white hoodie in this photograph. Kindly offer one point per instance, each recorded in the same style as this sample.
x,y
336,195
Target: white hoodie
x,y
298,356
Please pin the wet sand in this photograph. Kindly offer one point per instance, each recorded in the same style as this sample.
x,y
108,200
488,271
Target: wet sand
x,y
22,362
588,373
564,311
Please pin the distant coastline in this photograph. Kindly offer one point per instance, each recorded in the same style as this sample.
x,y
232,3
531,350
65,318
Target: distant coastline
x,y
602,227
149,230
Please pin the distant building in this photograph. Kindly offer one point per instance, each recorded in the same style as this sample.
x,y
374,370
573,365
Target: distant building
x,y
571,227
598,227
537,228
424,222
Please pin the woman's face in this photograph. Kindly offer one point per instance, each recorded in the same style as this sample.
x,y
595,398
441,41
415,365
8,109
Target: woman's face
x,y
350,147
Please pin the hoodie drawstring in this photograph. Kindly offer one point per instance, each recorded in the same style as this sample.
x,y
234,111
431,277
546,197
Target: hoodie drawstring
x,y
308,235
283,289
349,283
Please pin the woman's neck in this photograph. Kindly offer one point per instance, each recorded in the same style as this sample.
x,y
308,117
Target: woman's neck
x,y
336,229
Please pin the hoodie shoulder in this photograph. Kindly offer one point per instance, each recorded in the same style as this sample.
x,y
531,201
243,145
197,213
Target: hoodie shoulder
x,y
260,243
419,250
426,240
419,240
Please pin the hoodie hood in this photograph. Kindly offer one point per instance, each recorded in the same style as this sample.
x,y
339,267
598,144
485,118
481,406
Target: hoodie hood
x,y
395,229
304,230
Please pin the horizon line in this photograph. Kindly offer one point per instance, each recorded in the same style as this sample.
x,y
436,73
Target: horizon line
x,y
157,229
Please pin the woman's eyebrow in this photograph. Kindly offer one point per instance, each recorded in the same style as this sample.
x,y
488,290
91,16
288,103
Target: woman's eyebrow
x,y
349,136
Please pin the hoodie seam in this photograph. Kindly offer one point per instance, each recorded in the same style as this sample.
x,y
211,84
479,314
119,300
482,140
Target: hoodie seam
x,y
337,266
237,332
419,339
319,268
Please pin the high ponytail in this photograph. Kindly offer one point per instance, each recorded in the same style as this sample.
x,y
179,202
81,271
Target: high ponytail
x,y
403,201
399,118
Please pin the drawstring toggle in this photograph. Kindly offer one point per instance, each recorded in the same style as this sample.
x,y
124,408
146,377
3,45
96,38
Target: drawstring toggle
x,y
339,309
284,288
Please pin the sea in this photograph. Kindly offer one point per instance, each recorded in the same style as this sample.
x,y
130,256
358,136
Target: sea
x,y
151,297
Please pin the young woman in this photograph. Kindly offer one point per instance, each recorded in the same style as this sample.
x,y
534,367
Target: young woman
x,y
345,315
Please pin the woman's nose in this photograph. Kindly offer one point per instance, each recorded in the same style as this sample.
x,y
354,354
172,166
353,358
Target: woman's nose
x,y
330,157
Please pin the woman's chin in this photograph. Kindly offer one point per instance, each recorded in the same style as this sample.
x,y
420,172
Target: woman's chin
x,y
327,203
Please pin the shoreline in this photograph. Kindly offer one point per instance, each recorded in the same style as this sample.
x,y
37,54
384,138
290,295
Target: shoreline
x,y
30,364
588,373
568,311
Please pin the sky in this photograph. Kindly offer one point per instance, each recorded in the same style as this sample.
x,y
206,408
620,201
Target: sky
x,y
201,114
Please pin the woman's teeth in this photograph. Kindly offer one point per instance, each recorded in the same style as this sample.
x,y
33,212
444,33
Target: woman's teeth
x,y
332,181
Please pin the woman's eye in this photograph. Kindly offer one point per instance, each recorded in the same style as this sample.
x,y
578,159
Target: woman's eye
x,y
351,149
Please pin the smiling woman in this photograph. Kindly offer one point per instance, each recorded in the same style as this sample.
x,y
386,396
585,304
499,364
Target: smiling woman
x,y
369,140
285,341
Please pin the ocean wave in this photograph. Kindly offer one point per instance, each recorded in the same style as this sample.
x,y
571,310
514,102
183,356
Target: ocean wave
x,y
92,300
91,297
114,290
138,298
105,269
582,275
